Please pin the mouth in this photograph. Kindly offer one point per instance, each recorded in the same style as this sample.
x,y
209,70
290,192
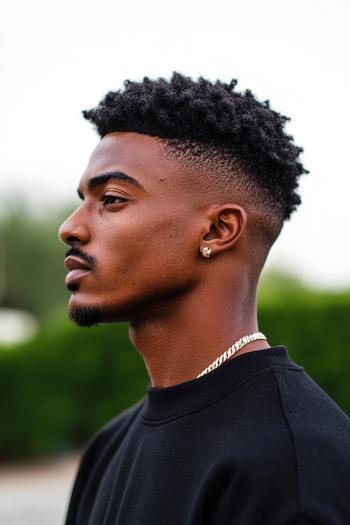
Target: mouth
x,y
77,268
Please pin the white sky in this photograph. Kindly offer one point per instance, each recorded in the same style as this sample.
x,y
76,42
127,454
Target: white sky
x,y
57,58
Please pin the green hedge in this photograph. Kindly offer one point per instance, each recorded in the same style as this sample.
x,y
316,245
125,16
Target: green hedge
x,y
59,388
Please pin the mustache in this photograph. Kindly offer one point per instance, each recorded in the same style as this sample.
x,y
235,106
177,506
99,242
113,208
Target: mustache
x,y
82,255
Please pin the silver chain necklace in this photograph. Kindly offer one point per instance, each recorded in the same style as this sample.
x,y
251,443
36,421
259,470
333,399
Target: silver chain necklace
x,y
232,350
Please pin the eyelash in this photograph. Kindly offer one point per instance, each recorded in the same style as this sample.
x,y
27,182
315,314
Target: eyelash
x,y
107,197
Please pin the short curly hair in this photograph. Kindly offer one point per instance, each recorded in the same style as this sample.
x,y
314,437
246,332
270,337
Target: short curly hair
x,y
210,123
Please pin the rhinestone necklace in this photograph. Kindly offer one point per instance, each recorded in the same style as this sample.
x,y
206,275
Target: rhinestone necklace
x,y
232,350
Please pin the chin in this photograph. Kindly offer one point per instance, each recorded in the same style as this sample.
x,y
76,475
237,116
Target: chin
x,y
85,315
88,309
89,313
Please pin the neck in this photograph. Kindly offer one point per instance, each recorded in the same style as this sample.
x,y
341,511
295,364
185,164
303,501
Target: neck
x,y
193,332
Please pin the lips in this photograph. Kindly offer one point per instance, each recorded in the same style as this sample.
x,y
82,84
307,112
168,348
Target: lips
x,y
77,269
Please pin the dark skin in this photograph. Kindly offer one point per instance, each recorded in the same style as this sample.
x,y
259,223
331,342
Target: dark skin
x,y
183,310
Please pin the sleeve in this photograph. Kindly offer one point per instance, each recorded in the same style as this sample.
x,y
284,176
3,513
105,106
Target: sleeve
x,y
239,501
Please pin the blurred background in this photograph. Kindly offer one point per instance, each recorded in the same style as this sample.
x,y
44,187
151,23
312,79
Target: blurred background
x,y
59,383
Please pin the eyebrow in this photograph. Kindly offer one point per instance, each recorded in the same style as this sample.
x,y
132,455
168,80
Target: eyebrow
x,y
99,180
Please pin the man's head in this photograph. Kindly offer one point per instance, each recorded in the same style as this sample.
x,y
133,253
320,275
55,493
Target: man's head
x,y
213,167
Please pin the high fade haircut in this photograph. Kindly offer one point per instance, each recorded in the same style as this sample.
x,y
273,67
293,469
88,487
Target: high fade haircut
x,y
238,141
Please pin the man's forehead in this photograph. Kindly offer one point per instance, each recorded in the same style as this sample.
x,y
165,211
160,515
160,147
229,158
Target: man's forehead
x,y
129,152
145,159
125,147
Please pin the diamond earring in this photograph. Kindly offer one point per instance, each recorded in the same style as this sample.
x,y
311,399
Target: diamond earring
x,y
206,251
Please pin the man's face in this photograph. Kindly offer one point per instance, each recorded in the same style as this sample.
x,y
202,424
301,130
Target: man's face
x,y
140,240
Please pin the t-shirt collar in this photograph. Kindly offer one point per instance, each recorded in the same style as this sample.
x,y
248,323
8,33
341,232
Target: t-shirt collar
x,y
164,404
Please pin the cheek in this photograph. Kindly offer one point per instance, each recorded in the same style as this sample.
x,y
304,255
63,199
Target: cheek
x,y
148,252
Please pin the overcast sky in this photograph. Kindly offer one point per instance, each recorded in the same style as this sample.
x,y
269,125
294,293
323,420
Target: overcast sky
x,y
59,57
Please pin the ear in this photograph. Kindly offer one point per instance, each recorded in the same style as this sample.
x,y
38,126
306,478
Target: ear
x,y
225,226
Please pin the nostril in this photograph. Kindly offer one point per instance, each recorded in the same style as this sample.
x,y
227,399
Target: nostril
x,y
71,239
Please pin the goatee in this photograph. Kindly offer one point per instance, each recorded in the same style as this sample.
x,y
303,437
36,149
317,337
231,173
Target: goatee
x,y
85,315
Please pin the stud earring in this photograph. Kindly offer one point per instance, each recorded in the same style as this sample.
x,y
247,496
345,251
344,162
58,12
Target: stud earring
x,y
206,251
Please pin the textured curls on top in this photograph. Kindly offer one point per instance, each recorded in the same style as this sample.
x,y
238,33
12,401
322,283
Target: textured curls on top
x,y
213,115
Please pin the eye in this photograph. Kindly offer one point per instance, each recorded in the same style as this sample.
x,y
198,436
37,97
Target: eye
x,y
112,199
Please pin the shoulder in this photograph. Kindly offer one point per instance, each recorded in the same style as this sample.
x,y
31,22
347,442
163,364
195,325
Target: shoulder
x,y
120,421
320,436
105,442
309,412
114,429
289,455
96,456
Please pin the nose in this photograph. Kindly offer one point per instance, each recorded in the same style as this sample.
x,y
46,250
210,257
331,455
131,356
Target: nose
x,y
73,230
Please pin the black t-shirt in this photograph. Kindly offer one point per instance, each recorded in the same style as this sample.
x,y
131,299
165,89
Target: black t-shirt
x,y
254,442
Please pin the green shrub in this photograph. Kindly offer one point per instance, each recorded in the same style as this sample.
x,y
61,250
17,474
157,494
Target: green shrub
x,y
59,388
63,385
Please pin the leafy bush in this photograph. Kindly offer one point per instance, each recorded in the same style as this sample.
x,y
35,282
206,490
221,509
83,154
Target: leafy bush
x,y
63,385
59,388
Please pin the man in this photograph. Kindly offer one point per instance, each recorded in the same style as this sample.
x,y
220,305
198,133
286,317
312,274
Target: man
x,y
182,199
